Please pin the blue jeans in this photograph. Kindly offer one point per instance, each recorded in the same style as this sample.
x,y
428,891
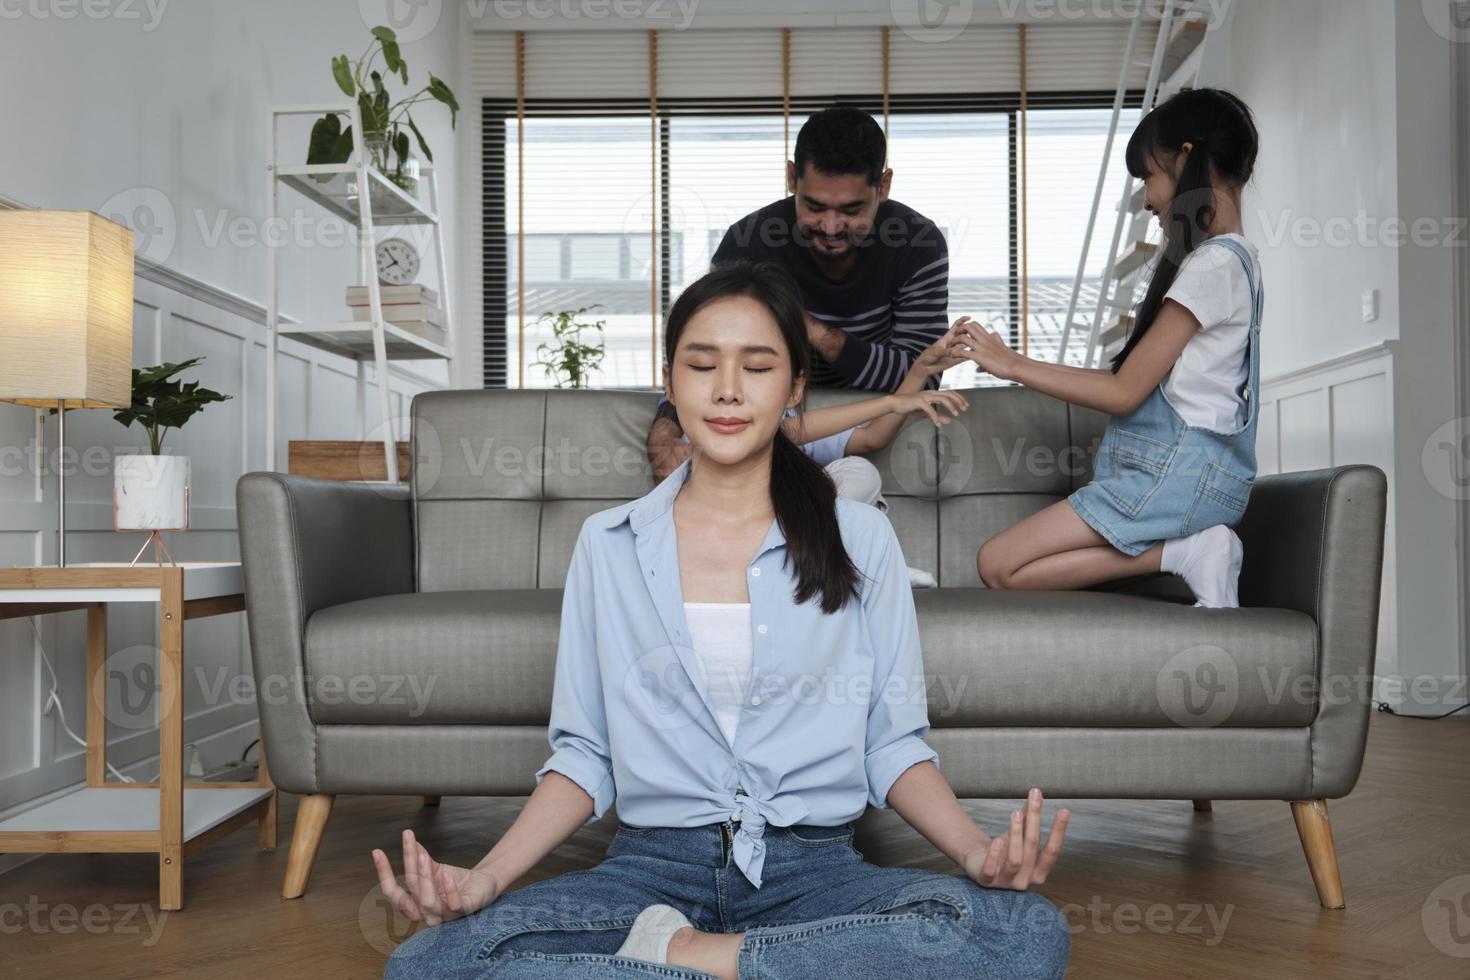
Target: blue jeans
x,y
821,911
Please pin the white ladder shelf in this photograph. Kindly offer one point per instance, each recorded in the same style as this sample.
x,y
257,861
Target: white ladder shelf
x,y
336,187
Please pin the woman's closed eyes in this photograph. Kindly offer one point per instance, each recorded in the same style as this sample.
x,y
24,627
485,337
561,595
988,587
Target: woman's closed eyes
x,y
753,370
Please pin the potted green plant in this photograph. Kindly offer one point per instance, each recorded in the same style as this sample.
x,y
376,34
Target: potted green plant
x,y
383,132
571,359
151,492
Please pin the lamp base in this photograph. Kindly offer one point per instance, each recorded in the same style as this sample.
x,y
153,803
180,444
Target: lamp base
x,y
156,539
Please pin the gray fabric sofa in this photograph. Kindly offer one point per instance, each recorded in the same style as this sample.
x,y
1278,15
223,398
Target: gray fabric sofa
x,y
404,637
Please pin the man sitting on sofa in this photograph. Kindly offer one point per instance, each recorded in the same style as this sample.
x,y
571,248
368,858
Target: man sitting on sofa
x,y
873,273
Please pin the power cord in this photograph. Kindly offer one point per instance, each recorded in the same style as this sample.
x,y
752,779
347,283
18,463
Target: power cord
x,y
196,767
54,699
1387,709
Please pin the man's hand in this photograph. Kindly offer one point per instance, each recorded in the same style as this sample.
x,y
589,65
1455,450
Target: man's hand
x,y
666,448
1011,861
432,892
825,340
972,342
938,356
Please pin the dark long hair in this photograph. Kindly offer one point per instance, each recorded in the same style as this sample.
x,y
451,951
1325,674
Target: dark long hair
x,y
1223,135
802,494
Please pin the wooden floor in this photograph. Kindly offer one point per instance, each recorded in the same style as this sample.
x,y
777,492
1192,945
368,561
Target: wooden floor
x,y
1152,889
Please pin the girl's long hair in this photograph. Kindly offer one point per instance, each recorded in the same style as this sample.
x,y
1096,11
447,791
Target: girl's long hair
x,y
802,494
1223,135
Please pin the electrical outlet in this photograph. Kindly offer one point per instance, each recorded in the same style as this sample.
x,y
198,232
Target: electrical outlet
x,y
1370,305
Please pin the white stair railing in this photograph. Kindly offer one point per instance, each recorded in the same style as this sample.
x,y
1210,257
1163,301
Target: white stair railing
x,y
1173,66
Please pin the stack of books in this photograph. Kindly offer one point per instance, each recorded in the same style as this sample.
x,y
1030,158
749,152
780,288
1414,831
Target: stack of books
x,y
413,307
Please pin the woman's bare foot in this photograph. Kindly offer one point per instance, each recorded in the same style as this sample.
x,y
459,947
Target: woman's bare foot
x,y
712,952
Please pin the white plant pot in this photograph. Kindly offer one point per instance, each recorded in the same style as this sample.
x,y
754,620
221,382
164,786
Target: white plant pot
x,y
150,493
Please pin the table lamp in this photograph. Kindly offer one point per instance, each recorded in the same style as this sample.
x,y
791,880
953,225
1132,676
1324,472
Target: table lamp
x,y
66,319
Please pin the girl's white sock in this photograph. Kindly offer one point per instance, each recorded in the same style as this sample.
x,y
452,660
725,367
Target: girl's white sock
x,y
920,579
649,937
1209,562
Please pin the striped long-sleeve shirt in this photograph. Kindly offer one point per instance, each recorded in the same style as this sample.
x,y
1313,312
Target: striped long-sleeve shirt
x,y
892,304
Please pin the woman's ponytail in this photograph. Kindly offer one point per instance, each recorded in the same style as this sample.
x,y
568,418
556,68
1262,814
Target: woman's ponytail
x,y
1222,137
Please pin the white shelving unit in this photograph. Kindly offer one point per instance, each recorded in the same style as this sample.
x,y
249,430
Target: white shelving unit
x,y
336,187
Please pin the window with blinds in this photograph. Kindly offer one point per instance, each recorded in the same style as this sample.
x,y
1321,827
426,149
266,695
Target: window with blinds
x,y
612,168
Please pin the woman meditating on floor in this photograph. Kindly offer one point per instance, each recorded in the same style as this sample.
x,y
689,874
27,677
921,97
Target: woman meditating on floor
x,y
739,670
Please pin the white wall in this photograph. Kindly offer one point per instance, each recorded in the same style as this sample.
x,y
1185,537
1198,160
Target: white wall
x,y
1352,99
115,114
169,111
1319,75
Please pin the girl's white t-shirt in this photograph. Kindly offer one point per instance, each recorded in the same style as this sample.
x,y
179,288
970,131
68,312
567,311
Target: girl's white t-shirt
x,y
720,635
1207,382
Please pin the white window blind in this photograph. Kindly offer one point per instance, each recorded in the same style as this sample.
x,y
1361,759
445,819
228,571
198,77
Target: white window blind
x,y
622,208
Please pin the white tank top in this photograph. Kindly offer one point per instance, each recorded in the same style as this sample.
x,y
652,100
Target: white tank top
x,y
720,635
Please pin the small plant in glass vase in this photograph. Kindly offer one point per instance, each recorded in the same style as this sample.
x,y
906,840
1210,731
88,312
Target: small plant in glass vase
x,y
151,492
383,133
571,362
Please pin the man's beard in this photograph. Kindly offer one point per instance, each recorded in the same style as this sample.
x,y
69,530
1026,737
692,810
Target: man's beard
x,y
822,248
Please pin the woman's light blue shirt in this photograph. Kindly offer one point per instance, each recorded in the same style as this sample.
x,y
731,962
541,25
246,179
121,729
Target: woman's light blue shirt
x,y
836,710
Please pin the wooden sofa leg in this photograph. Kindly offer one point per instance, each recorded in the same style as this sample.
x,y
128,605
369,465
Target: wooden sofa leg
x,y
1315,830
311,822
1203,806
431,801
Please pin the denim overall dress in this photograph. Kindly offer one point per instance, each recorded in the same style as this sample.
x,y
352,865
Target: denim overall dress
x,y
1156,478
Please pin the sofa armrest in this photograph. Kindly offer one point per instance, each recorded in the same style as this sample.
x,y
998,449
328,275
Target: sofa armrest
x,y
307,544
1314,543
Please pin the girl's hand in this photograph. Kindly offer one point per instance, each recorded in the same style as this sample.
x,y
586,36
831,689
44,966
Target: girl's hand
x,y
937,357
432,892
1011,861
973,342
929,403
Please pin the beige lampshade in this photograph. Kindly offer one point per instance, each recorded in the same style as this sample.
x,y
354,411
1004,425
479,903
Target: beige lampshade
x,y
66,309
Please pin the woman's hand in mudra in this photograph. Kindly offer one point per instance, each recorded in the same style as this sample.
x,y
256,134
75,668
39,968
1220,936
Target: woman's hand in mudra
x,y
432,892
1012,860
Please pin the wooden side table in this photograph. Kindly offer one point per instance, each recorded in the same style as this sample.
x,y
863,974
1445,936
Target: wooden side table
x,y
171,817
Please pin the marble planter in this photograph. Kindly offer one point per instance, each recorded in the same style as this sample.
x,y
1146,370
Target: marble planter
x,y
150,493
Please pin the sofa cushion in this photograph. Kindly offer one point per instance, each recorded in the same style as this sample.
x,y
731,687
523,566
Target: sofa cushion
x,y
1070,659
480,657
1100,659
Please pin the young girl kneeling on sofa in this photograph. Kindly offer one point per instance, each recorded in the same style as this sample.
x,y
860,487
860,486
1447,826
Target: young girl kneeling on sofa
x,y
1175,466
